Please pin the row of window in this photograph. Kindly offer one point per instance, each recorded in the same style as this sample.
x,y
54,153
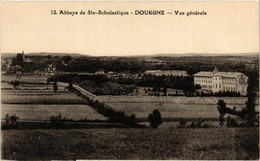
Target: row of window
x,y
203,77
229,89
217,85
225,88
209,81
229,82
204,81
216,78
209,78
229,79
205,86
225,81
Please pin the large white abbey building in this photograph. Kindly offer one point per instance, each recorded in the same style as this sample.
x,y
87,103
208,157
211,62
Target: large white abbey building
x,y
222,81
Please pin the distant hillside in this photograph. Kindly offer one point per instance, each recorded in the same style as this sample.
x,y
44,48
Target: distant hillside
x,y
206,54
58,54
75,55
8,55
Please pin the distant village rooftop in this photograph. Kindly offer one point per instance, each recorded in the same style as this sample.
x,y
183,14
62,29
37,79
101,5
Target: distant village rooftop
x,y
167,72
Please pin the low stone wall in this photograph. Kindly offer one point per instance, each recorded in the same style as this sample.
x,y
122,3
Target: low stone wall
x,y
79,89
85,93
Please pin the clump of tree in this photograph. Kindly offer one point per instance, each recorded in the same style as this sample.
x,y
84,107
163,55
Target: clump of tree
x,y
115,116
248,113
198,123
132,120
11,119
66,59
58,118
155,118
157,90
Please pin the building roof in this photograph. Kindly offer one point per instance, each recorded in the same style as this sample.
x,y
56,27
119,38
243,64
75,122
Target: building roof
x,y
218,74
204,74
228,74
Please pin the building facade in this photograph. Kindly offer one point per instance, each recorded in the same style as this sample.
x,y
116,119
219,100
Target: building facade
x,y
167,73
222,81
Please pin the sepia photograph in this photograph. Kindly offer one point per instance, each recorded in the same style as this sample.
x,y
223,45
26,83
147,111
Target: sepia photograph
x,y
150,80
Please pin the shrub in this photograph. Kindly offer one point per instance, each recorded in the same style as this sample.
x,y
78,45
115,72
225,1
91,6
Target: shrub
x,y
59,118
13,119
55,118
78,93
7,118
15,83
90,102
119,116
221,121
193,124
155,118
71,88
231,122
96,102
199,123
182,123
132,120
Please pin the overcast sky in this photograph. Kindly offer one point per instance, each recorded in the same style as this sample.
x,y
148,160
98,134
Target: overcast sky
x,y
228,27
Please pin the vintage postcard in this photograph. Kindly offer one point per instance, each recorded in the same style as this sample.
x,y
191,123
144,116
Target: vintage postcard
x,y
130,80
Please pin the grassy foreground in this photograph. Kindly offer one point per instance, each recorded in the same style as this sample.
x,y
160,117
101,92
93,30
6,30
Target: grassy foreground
x,y
170,143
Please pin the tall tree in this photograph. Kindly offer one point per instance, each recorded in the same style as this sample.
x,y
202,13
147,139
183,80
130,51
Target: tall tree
x,y
55,86
155,118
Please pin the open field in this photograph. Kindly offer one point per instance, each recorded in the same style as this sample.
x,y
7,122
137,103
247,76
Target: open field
x,y
170,110
8,86
37,105
170,143
40,97
166,142
41,112
174,100
30,86
24,79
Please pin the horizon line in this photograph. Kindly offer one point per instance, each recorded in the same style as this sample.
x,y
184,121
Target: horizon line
x,y
127,55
